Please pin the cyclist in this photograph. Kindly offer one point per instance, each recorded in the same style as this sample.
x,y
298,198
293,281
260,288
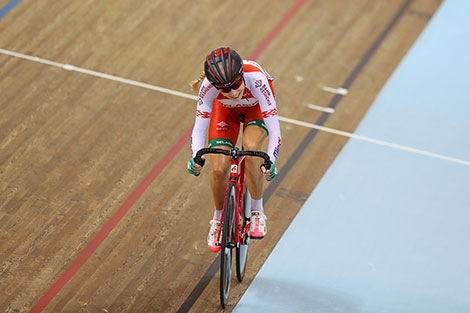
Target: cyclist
x,y
233,90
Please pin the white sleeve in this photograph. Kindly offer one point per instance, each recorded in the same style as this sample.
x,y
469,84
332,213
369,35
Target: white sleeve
x,y
267,104
207,94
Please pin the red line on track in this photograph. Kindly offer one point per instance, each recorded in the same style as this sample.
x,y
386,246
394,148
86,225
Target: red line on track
x,y
104,232
125,207
277,29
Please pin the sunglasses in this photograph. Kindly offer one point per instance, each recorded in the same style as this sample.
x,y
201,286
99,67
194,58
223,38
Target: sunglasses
x,y
235,86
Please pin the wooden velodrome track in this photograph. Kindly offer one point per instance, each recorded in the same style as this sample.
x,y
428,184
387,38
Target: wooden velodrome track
x,y
97,210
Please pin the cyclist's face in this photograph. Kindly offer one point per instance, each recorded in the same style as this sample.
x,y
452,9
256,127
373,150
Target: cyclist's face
x,y
235,94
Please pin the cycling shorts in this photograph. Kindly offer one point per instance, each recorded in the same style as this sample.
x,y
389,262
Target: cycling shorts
x,y
225,123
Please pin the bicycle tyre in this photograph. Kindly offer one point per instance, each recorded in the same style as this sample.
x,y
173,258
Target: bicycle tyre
x,y
242,249
226,257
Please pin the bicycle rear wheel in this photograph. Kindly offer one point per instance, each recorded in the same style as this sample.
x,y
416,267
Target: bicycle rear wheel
x,y
228,231
242,249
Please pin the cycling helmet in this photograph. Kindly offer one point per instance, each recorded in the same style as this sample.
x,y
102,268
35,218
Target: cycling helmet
x,y
223,67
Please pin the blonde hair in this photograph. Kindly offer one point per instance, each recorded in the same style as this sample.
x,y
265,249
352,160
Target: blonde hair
x,y
196,84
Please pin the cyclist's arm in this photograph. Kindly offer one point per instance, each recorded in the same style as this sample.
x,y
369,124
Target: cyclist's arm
x,y
272,124
207,93
268,108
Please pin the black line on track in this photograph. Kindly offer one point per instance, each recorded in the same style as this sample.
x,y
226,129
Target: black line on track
x,y
210,273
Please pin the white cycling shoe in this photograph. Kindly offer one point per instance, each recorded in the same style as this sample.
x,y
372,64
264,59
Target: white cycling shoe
x,y
214,235
258,225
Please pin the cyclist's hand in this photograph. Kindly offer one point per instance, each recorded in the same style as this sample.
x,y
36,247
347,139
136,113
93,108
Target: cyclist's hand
x,y
270,173
194,168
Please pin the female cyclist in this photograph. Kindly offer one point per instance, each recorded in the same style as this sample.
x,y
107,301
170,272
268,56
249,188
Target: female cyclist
x,y
233,90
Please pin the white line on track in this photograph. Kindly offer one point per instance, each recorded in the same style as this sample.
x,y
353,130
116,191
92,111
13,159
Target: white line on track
x,y
98,74
320,108
192,97
339,91
372,140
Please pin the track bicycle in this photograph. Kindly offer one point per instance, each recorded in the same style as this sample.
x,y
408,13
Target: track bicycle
x,y
236,214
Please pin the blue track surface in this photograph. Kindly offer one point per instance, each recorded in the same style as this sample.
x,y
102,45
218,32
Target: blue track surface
x,y
387,230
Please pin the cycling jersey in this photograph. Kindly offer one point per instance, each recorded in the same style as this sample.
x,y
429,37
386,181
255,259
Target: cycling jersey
x,y
258,92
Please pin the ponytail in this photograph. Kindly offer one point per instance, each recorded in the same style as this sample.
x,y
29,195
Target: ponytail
x,y
195,84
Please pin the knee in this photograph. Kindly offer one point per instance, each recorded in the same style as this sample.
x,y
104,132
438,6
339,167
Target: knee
x,y
253,138
252,145
219,173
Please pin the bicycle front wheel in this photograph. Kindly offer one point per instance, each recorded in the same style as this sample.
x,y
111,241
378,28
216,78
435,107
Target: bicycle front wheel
x,y
228,232
242,249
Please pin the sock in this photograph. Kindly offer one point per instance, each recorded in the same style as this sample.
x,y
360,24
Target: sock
x,y
218,214
257,205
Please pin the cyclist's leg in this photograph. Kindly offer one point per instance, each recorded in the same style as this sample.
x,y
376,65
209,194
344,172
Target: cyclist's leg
x,y
223,133
253,139
219,177
254,134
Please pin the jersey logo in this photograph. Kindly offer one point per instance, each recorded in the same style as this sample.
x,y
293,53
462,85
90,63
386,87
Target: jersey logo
x,y
264,90
276,150
204,90
244,103
222,126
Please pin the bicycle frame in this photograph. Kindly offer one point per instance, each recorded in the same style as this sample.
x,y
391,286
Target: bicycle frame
x,y
237,176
